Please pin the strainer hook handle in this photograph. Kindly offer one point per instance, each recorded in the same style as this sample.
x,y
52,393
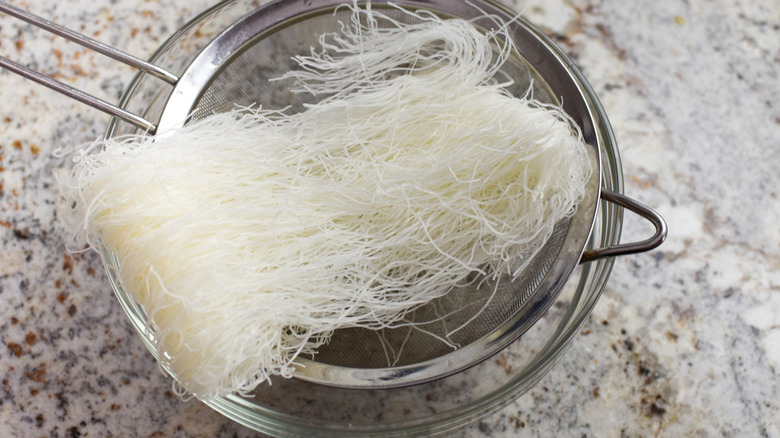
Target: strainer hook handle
x,y
89,43
635,247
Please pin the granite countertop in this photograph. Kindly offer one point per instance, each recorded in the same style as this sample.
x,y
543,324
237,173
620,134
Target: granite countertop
x,y
691,343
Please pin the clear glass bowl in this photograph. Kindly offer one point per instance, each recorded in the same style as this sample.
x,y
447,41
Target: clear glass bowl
x,y
291,407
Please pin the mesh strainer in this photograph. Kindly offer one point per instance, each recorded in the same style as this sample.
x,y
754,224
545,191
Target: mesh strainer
x,y
234,69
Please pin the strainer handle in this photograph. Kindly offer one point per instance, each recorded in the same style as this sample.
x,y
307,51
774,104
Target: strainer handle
x,y
635,247
89,43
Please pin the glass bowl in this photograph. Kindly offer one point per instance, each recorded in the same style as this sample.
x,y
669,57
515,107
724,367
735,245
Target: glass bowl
x,y
292,407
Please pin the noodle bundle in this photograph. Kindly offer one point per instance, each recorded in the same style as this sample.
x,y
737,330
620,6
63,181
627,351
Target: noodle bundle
x,y
250,236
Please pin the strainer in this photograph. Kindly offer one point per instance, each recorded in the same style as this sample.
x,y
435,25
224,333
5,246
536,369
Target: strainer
x,y
234,69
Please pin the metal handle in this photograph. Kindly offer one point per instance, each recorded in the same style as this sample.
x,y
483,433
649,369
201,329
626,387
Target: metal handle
x,y
629,248
89,43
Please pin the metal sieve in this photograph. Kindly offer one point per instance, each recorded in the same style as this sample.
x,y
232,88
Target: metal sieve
x,y
235,69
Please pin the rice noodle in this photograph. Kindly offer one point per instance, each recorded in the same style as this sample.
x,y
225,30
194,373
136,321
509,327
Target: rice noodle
x,y
249,236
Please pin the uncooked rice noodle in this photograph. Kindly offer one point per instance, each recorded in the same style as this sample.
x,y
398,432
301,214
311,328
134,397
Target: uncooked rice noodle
x,y
249,236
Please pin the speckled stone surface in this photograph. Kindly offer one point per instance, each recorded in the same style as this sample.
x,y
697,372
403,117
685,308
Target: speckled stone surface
x,y
684,342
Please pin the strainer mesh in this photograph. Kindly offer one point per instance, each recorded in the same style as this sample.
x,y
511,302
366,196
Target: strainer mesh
x,y
246,80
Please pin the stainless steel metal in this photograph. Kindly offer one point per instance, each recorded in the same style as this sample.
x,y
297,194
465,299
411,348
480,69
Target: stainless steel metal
x,y
635,247
236,68
77,94
89,43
